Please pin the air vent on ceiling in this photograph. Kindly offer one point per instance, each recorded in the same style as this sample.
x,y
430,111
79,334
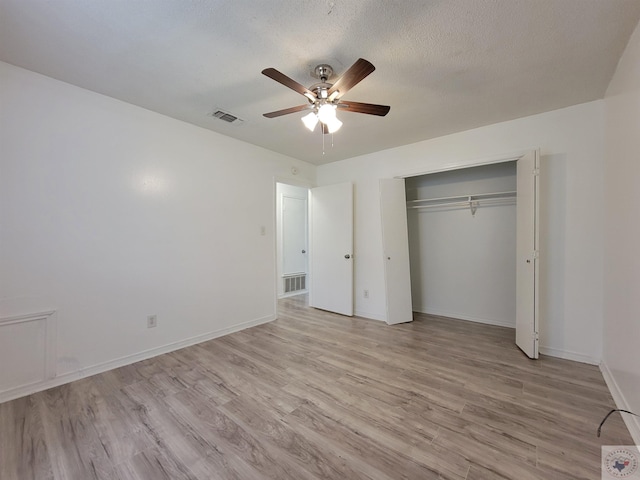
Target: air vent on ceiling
x,y
226,116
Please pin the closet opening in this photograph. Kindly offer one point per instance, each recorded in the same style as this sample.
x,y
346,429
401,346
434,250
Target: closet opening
x,y
462,243
471,245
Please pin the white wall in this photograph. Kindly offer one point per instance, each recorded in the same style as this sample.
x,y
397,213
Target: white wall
x,y
464,265
621,358
282,190
571,144
109,213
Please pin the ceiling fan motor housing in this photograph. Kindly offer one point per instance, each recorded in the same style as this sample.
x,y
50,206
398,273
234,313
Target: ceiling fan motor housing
x,y
320,90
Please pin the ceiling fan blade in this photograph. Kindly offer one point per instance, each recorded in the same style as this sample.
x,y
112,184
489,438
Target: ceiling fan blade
x,y
368,108
356,73
286,111
289,82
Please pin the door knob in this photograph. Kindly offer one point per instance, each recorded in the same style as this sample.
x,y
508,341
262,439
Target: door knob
x,y
304,251
347,256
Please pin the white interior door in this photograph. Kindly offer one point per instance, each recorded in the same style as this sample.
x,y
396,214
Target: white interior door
x,y
527,262
294,235
331,248
395,241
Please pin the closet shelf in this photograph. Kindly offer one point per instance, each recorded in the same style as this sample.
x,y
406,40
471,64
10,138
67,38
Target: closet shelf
x,y
471,201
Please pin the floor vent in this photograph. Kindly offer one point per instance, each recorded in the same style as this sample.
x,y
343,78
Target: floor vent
x,y
295,283
226,116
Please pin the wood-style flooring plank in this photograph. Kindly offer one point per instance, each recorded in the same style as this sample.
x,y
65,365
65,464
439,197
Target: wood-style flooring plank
x,y
316,458
315,396
352,444
219,429
23,449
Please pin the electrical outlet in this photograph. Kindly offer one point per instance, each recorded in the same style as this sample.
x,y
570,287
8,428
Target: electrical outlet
x,y
152,321
366,294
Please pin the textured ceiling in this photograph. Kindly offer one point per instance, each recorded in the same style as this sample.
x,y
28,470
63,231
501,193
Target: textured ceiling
x,y
443,66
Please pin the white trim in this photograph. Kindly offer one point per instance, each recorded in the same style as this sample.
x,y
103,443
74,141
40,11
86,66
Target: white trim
x,y
51,345
126,360
29,317
294,294
370,315
474,162
568,355
632,423
293,181
459,316
50,320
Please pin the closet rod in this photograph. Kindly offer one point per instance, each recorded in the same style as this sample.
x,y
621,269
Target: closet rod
x,y
465,203
466,197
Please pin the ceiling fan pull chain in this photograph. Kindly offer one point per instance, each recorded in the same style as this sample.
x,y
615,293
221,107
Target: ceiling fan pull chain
x,y
322,133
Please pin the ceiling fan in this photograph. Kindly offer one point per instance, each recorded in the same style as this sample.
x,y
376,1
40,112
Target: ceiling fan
x,y
326,98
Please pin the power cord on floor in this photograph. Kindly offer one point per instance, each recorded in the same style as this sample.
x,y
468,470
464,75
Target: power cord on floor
x,y
608,414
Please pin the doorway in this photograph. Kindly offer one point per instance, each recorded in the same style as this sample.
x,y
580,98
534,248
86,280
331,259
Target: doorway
x,y
292,240
314,245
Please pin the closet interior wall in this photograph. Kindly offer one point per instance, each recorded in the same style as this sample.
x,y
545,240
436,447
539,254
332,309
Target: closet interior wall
x,y
463,264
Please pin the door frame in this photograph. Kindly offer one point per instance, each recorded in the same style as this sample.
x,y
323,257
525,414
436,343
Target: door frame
x,y
295,182
473,162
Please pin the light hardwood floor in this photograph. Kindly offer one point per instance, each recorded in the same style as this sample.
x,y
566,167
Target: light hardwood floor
x,y
314,395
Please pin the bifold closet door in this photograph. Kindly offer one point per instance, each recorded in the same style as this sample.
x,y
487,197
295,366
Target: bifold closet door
x,y
331,248
395,242
527,268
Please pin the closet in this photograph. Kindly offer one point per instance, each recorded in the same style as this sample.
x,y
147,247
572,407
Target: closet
x,y
462,243
471,246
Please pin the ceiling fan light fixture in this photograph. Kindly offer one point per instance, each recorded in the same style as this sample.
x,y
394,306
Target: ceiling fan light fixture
x,y
327,113
310,120
333,125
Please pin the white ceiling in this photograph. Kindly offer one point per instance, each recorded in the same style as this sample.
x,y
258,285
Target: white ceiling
x,y
442,65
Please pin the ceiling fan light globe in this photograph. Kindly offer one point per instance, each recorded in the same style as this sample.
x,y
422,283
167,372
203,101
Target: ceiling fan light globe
x,y
333,125
310,121
327,113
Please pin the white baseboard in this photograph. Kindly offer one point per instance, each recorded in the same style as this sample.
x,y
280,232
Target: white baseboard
x,y
632,423
293,294
29,389
458,316
567,355
370,315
